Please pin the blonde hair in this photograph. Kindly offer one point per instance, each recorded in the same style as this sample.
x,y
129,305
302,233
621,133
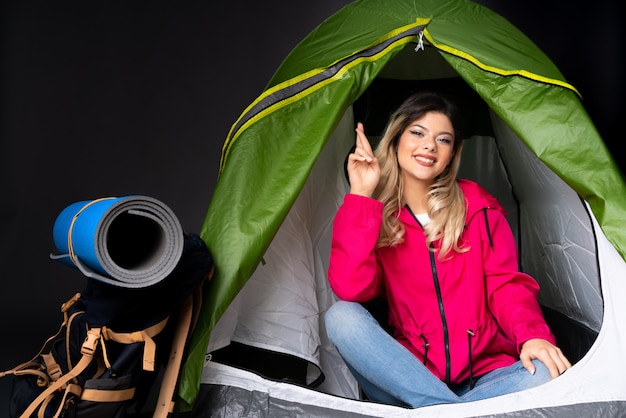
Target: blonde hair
x,y
446,202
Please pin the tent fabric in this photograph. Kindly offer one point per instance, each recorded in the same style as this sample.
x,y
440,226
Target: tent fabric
x,y
557,245
270,153
291,284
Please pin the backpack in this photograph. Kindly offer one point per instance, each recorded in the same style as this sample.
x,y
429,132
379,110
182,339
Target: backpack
x,y
115,347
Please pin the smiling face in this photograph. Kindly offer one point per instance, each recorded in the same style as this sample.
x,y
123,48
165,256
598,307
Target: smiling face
x,y
425,149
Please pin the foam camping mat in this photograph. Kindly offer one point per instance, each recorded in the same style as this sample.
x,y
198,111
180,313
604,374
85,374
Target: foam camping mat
x,y
130,241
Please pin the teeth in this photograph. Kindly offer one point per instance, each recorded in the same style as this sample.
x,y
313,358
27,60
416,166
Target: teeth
x,y
424,159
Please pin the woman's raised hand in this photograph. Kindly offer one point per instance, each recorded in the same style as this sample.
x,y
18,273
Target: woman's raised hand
x,y
363,168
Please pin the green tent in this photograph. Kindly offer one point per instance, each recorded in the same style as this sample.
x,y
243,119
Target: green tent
x,y
365,50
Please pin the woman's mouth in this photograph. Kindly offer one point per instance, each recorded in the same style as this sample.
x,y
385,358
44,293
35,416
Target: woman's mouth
x,y
424,160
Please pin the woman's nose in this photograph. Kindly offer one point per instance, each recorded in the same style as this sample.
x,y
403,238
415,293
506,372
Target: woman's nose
x,y
429,143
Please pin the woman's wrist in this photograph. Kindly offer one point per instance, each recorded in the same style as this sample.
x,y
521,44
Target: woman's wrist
x,y
364,193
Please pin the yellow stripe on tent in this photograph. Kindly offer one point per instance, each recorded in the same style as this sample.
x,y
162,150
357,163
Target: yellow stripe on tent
x,y
496,70
310,90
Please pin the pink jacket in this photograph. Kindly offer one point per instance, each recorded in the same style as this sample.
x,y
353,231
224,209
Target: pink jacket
x,y
473,310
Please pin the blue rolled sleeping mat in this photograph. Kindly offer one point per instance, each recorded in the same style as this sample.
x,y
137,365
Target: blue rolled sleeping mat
x,y
130,241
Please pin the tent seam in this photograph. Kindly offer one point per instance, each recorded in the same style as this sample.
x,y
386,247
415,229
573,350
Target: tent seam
x,y
496,70
236,130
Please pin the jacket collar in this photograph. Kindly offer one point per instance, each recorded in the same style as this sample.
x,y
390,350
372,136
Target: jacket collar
x,y
476,199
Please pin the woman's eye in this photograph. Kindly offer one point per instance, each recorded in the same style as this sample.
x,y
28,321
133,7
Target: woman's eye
x,y
417,133
445,140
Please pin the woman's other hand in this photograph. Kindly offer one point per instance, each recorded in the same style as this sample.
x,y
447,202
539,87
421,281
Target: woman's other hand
x,y
545,352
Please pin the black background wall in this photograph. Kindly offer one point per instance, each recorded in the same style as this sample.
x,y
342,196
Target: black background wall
x,y
109,99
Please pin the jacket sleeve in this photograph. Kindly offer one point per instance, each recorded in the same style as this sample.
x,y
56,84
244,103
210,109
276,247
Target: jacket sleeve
x,y
353,272
512,295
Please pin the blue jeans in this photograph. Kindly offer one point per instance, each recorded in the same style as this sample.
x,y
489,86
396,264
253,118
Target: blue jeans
x,y
389,373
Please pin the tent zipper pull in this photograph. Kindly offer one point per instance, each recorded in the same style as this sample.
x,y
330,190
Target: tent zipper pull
x,y
420,41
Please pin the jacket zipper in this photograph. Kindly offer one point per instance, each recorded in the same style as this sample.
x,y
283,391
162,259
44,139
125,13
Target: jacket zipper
x,y
444,322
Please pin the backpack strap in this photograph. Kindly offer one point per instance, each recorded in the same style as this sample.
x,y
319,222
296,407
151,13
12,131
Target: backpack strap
x,y
165,403
44,406
108,395
88,350
145,336
53,370
71,388
187,319
52,367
